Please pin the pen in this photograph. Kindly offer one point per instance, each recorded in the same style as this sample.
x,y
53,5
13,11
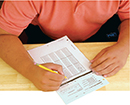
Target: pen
x,y
43,67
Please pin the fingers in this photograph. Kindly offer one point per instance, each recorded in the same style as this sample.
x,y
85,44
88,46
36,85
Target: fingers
x,y
53,76
99,62
49,85
54,67
107,63
112,72
50,81
46,80
98,56
104,66
107,70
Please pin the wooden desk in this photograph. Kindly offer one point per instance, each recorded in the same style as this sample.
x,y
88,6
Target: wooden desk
x,y
12,80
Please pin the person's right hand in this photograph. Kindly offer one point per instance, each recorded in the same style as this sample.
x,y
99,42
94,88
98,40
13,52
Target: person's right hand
x,y
45,80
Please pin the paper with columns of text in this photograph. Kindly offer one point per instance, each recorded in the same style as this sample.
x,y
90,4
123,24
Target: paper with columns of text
x,y
81,80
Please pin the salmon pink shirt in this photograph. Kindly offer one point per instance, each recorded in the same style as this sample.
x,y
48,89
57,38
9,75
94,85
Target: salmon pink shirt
x,y
77,19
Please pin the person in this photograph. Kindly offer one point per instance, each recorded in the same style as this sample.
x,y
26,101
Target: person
x,y
77,19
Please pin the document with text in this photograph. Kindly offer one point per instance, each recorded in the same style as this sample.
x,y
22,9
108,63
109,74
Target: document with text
x,y
81,80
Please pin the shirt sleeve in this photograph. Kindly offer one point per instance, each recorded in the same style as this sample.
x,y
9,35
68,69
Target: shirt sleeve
x,y
124,10
15,16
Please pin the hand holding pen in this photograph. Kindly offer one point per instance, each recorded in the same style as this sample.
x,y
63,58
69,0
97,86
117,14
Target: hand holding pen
x,y
46,80
45,68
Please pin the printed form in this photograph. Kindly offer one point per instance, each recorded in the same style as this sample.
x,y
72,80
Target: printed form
x,y
81,80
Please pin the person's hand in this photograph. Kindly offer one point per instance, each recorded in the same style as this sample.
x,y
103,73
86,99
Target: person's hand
x,y
110,60
45,80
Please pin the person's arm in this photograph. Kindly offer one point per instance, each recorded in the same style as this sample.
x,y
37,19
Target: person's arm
x,y
14,54
111,59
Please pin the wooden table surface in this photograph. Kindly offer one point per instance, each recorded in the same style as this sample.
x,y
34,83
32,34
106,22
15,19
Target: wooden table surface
x,y
10,79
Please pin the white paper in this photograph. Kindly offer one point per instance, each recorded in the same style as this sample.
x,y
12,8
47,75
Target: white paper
x,y
81,80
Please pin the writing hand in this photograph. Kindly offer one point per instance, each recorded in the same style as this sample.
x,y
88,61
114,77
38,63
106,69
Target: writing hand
x,y
45,80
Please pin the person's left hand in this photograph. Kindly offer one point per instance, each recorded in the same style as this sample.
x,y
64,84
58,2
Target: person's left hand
x,y
110,60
